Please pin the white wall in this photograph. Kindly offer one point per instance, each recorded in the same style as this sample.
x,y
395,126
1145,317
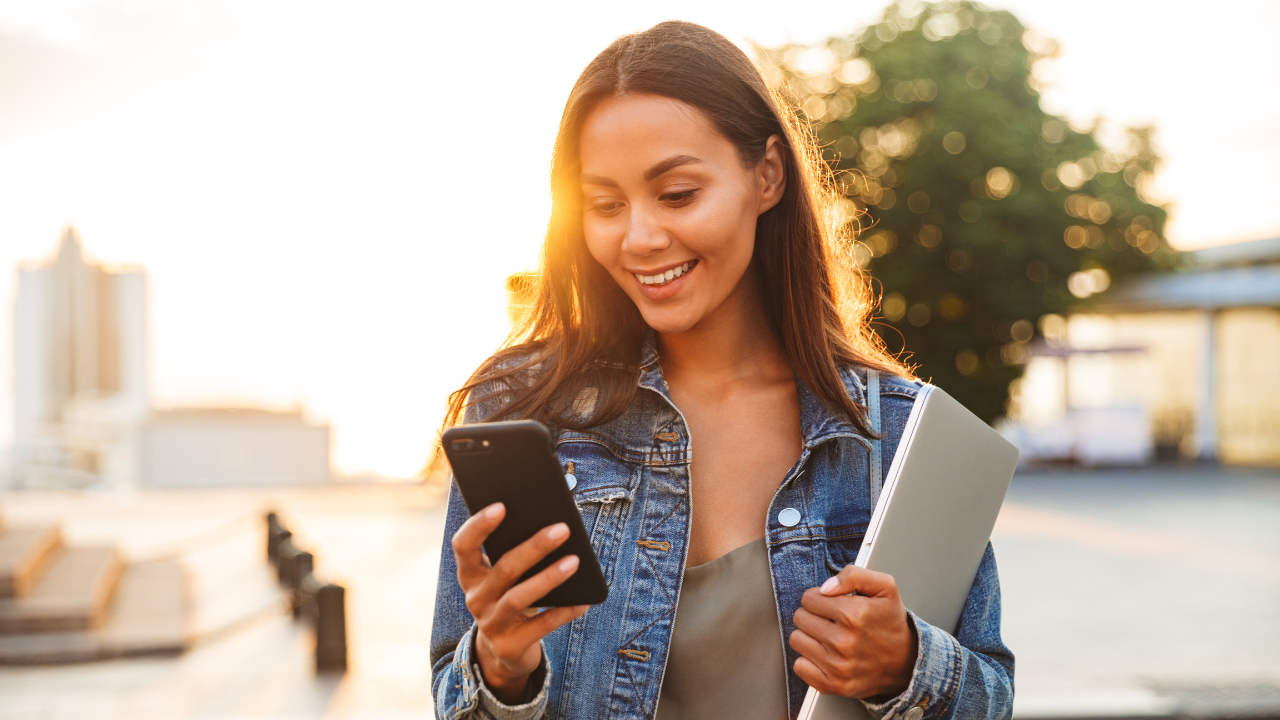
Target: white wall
x,y
196,451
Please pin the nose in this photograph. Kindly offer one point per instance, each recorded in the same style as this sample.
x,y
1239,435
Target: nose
x,y
645,235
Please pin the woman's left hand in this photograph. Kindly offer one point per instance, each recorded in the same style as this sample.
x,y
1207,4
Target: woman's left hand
x,y
858,646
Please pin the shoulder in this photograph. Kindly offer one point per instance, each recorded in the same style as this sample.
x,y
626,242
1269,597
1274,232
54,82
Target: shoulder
x,y
523,376
898,386
891,385
897,395
497,381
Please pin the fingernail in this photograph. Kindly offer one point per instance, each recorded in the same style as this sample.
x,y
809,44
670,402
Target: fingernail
x,y
558,531
493,511
829,585
568,563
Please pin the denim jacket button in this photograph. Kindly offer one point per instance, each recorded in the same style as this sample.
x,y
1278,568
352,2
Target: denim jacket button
x,y
790,517
571,481
915,713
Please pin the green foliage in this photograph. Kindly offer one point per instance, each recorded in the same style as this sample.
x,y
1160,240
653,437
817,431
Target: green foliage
x,y
981,213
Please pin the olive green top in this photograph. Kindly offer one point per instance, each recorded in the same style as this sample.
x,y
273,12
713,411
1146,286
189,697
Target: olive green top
x,y
726,658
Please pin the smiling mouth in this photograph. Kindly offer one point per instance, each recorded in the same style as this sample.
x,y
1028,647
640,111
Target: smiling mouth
x,y
663,278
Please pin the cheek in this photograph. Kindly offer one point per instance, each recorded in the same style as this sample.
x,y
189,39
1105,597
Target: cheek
x,y
601,244
725,229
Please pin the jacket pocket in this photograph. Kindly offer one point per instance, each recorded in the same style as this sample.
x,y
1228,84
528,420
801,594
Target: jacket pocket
x,y
604,490
842,551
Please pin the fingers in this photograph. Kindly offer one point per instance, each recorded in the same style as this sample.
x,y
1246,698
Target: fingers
x,y
516,561
525,625
502,611
545,622
812,648
853,579
861,645
814,677
526,593
821,630
468,544
828,672
847,610
527,554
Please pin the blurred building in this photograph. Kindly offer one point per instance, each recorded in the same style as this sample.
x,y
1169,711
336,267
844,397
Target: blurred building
x,y
82,407
202,447
1169,365
80,368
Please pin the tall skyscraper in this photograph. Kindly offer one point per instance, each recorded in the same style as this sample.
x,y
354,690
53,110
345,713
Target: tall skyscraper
x,y
80,370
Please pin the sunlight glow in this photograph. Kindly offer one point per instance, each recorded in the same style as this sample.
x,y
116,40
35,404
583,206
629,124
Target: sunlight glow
x,y
328,198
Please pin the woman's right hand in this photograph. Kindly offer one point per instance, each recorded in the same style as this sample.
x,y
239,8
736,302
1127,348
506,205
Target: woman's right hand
x,y
508,628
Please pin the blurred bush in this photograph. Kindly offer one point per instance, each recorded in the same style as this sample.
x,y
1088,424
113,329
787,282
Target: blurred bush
x,y
981,212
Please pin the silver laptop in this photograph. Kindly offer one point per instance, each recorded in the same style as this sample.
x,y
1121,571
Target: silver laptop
x,y
930,528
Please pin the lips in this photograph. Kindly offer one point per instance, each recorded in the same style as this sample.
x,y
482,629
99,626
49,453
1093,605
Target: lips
x,y
662,278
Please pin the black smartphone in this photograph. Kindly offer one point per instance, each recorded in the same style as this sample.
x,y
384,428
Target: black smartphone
x,y
514,463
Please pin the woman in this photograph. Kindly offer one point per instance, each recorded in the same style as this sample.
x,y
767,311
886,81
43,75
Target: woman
x,y
692,286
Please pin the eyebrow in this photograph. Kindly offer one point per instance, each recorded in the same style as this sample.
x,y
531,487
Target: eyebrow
x,y
669,164
665,166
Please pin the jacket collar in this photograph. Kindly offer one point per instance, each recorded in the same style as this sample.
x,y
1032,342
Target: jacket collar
x,y
817,421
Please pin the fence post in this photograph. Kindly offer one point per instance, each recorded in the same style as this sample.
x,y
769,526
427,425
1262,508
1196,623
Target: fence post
x,y
331,629
303,565
286,562
275,537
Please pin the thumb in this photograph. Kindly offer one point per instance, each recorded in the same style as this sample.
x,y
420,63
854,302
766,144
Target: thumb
x,y
855,580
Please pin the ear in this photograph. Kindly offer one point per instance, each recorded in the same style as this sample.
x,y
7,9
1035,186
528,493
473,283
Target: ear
x,y
771,173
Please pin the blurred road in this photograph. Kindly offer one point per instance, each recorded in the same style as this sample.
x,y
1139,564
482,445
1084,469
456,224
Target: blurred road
x,y
1151,592
1143,592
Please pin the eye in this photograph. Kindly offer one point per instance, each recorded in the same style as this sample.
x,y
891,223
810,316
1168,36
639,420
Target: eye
x,y
678,199
604,208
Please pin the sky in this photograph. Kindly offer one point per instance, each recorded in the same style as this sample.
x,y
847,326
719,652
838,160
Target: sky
x,y
328,196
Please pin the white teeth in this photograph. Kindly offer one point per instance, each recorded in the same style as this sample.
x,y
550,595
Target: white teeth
x,y
666,277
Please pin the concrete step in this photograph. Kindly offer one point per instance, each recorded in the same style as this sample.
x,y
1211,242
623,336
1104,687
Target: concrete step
x,y
23,552
149,615
71,595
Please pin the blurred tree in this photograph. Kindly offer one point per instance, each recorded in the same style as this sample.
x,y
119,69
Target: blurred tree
x,y
981,213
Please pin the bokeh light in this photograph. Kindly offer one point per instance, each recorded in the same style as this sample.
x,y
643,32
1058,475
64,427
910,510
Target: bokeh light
x,y
1084,283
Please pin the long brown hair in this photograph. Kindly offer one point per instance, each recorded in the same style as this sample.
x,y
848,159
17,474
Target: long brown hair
x,y
582,329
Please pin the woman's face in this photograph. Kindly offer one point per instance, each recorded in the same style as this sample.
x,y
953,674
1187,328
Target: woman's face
x,y
668,208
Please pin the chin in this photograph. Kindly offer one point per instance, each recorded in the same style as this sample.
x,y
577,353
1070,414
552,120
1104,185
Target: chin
x,y
669,322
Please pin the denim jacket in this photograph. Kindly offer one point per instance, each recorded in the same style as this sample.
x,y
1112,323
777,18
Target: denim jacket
x,y
633,493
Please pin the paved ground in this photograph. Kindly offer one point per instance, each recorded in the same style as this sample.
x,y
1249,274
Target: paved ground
x,y
1142,591
1125,593
252,662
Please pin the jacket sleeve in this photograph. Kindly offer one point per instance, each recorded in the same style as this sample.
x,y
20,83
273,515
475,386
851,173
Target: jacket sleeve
x,y
966,676
456,681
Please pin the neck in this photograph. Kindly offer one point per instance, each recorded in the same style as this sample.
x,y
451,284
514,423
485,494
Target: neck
x,y
733,342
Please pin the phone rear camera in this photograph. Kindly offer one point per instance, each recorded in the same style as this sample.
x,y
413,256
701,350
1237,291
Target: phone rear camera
x,y
462,445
